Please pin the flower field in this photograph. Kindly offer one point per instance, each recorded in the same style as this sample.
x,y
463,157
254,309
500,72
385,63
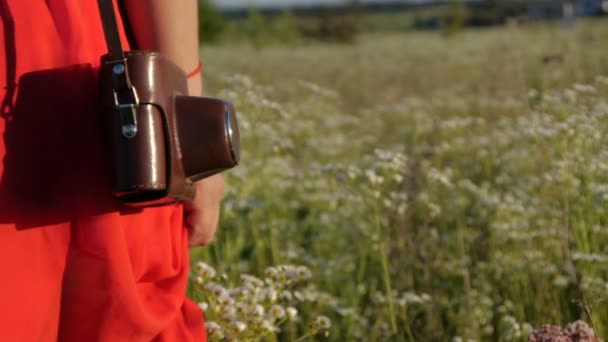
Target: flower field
x,y
413,187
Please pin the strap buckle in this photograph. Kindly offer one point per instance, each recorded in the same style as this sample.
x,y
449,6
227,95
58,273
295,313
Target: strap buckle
x,y
125,98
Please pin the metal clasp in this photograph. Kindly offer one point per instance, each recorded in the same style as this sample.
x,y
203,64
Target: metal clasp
x,y
125,99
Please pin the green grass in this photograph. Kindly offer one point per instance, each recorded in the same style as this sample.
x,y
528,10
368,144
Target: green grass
x,y
436,188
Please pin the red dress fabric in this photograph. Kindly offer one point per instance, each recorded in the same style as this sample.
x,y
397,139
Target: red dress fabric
x,y
76,264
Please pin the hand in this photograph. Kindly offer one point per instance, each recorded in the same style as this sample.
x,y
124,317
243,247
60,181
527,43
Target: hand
x,y
201,216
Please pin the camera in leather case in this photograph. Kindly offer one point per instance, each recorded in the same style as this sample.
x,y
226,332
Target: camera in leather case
x,y
160,139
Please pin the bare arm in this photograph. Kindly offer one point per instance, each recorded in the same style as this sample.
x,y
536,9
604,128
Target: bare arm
x,y
171,27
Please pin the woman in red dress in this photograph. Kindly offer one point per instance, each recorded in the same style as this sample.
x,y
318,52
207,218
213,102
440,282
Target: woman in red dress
x,y
77,265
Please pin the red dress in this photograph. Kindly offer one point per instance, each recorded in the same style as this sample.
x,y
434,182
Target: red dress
x,y
75,264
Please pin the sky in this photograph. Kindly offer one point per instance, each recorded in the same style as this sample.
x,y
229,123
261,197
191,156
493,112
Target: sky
x,y
287,3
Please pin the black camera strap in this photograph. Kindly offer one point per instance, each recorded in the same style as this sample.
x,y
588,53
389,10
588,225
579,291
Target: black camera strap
x,y
110,29
125,95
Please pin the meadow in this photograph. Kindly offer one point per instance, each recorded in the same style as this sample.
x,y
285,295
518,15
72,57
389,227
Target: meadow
x,y
413,187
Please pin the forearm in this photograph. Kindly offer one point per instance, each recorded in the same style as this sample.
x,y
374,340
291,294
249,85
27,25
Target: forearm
x,y
170,27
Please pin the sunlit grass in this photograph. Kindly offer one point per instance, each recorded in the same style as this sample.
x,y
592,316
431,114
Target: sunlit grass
x,y
436,188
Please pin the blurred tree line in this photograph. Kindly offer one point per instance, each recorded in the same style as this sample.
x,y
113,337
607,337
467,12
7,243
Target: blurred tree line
x,y
338,25
456,15
343,24
211,23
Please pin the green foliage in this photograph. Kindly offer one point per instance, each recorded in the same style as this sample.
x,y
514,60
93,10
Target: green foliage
x,y
286,27
437,189
262,31
211,23
342,27
338,28
258,28
455,18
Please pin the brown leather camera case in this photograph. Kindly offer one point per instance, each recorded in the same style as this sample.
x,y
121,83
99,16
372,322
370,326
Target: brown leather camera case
x,y
179,139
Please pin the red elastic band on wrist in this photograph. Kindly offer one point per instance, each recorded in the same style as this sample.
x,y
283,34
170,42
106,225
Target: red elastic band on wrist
x,y
196,71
